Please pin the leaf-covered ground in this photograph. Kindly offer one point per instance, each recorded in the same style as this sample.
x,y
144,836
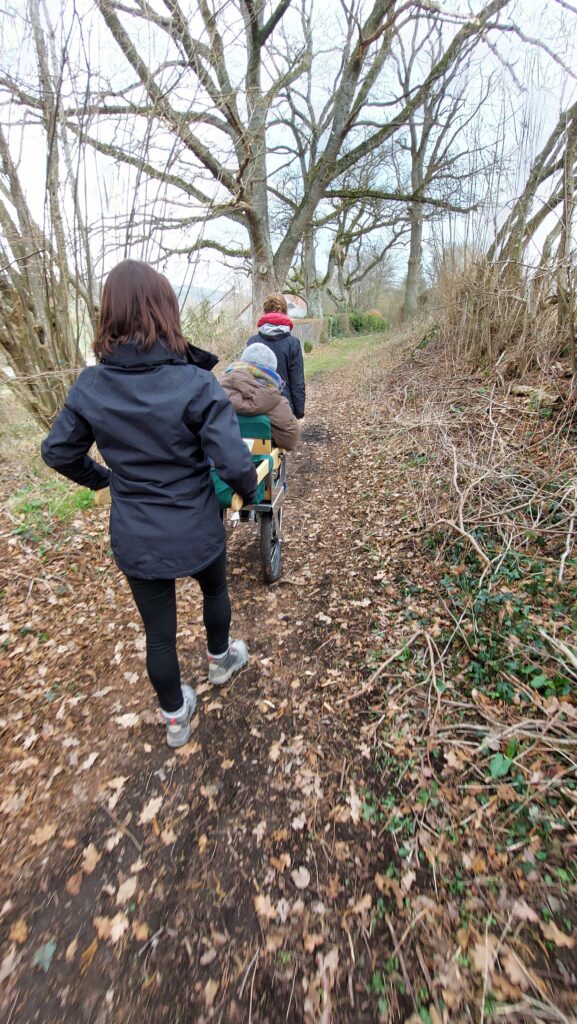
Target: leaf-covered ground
x,y
376,822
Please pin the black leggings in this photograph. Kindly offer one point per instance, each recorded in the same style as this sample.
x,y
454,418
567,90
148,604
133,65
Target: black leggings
x,y
156,602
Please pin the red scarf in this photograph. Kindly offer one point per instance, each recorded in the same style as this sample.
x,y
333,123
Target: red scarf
x,y
276,319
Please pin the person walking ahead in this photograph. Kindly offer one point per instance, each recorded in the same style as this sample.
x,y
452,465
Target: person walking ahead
x,y
158,416
274,330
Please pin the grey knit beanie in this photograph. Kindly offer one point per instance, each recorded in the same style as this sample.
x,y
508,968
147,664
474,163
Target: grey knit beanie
x,y
259,355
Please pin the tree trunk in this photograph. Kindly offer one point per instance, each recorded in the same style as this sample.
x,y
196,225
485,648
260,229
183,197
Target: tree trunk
x,y
415,267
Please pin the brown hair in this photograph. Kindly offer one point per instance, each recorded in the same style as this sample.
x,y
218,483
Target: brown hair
x,y
138,304
275,303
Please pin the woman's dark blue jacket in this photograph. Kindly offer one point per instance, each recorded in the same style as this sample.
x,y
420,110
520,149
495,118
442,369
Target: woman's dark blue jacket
x,y
290,366
157,419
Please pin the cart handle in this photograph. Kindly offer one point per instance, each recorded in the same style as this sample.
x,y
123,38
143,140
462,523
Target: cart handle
x,y
262,470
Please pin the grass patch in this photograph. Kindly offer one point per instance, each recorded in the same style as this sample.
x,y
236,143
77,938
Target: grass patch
x,y
331,356
38,506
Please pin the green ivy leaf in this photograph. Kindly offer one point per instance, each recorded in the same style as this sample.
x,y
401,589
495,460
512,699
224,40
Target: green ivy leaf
x,y
44,955
499,766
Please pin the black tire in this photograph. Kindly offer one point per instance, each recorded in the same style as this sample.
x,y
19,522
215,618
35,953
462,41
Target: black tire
x,y
270,548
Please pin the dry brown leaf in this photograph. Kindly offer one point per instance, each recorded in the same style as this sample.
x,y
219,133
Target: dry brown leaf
x,y
208,957
299,823
407,880
71,950
554,934
74,882
301,877
356,805
128,721
90,858
363,905
202,843
167,837
140,930
483,954
42,834
88,956
515,969
210,990
111,928
523,912
126,891
312,941
264,907
282,862
150,810
19,931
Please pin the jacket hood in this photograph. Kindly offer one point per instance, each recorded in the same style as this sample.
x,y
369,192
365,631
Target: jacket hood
x,y
130,356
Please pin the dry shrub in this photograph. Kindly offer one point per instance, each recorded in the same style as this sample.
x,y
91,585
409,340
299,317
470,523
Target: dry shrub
x,y
501,315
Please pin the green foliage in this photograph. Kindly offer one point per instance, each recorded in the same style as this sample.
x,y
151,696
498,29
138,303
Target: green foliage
x,y
39,505
367,323
308,347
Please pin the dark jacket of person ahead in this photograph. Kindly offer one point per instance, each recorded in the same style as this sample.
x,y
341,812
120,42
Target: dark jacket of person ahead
x,y
254,389
274,330
157,418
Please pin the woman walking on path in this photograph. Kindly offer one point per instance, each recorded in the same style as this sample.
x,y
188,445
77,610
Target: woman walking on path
x,y
158,416
274,330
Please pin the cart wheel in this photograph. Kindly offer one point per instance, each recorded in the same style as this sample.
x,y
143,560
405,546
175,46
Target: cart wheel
x,y
270,548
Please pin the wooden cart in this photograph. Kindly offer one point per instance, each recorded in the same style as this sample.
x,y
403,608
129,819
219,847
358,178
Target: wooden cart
x,y
267,509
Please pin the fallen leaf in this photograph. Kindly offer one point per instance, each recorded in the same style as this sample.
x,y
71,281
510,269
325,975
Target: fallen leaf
x,y
9,963
89,761
363,905
515,969
301,877
259,832
407,880
523,912
111,928
355,805
42,834
282,862
19,931
167,837
88,956
74,882
113,841
210,990
264,907
202,843
128,721
90,858
208,957
71,950
140,930
483,954
227,763
299,823
312,941
126,891
150,810
554,934
138,865
44,956
275,751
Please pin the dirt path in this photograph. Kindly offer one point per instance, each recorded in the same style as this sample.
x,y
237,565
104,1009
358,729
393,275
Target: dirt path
x,y
252,815
278,868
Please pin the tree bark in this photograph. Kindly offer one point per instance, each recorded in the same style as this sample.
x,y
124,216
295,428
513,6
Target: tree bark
x,y
413,283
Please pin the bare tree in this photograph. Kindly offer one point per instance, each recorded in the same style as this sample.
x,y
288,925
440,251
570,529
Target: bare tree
x,y
223,153
46,289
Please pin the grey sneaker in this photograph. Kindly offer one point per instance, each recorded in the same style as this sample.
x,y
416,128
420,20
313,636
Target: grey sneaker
x,y
178,725
222,666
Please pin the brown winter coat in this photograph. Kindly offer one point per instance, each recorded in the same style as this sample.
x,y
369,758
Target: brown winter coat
x,y
250,398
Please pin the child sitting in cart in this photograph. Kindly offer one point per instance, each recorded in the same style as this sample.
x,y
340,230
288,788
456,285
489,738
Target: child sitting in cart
x,y
254,389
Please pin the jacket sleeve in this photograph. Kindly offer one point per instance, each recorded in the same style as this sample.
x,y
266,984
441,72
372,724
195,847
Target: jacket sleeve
x,y
285,426
215,420
296,380
65,450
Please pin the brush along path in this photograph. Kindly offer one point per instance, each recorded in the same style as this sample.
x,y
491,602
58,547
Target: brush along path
x,y
309,855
